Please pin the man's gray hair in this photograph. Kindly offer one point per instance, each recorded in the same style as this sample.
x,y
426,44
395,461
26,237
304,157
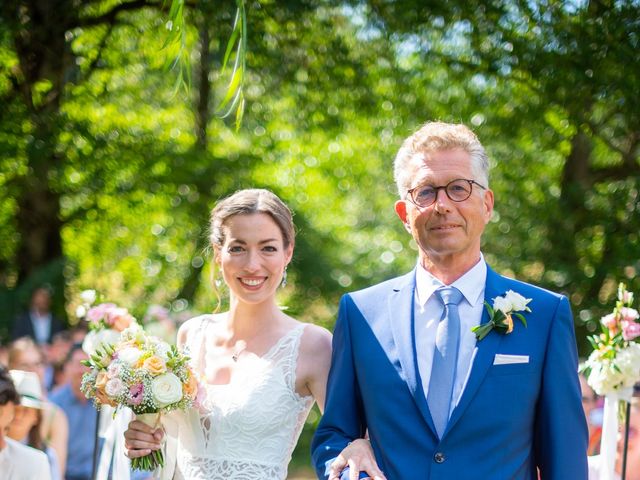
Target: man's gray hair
x,y
438,136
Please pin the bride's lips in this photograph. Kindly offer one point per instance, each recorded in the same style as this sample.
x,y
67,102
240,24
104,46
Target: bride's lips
x,y
252,283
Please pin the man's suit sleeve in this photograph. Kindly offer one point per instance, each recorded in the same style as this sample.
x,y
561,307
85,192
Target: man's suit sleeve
x,y
561,436
21,327
343,419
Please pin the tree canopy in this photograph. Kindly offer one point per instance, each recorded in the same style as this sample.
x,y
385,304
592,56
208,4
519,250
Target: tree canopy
x,y
108,173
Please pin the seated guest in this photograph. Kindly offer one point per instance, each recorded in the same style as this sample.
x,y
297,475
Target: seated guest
x,y
25,355
17,461
81,415
39,322
25,427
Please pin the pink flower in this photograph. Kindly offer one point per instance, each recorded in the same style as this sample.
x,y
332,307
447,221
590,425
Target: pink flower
x,y
630,330
611,322
118,318
626,297
629,314
136,393
201,396
114,369
98,312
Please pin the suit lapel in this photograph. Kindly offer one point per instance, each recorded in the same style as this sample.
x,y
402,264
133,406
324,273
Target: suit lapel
x,y
401,307
485,353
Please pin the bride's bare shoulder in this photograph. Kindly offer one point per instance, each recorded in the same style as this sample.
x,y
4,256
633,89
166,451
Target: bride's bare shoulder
x,y
316,340
197,325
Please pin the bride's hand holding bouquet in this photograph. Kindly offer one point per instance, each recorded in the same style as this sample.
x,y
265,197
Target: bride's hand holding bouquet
x,y
145,374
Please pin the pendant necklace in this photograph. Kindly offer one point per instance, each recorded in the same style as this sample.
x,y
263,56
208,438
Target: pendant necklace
x,y
238,350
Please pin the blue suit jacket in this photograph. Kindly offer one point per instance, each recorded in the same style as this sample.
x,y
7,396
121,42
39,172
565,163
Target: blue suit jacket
x,y
510,420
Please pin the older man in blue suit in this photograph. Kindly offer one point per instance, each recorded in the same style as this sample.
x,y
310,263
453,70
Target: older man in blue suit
x,y
443,387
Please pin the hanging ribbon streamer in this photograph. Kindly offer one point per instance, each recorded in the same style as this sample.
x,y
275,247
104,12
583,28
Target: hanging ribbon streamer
x,y
609,440
112,430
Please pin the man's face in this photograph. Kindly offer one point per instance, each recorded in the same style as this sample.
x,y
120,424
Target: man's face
x,y
41,300
446,230
6,417
74,370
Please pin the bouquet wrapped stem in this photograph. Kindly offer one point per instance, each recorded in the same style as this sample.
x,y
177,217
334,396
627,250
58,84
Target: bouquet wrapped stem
x,y
156,458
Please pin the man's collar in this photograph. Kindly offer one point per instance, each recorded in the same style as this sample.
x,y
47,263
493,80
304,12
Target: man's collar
x,y
471,284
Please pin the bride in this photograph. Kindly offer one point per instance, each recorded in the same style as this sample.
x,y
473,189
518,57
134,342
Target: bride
x,y
262,369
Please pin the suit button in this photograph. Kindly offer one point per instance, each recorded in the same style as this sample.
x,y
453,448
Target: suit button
x,y
439,457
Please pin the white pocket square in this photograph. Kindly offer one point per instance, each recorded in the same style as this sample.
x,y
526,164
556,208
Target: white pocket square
x,y
501,359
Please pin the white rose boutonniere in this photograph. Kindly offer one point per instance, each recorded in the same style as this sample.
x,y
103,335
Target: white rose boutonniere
x,y
502,312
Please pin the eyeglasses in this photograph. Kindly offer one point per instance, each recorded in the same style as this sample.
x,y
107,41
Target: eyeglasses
x,y
457,190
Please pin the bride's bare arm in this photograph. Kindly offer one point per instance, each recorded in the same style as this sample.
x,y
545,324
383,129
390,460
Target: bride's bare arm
x,y
314,361
358,456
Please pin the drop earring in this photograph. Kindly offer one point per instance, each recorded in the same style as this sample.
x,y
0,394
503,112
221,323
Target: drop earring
x,y
284,278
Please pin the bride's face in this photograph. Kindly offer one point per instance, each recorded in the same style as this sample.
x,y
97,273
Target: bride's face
x,y
253,257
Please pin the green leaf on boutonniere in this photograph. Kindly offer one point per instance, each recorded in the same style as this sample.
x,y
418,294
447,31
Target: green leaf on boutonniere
x,y
501,314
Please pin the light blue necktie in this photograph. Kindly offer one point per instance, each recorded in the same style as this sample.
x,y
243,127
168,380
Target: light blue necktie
x,y
445,359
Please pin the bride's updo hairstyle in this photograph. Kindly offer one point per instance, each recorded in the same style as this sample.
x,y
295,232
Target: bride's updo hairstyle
x,y
245,202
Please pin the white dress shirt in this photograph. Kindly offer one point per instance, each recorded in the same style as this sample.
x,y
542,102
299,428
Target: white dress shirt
x,y
41,326
19,462
428,310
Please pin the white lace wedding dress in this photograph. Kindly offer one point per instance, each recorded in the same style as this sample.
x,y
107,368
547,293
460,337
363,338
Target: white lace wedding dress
x,y
249,427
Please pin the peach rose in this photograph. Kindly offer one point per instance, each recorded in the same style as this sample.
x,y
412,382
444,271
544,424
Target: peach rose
x,y
101,394
154,365
101,380
119,319
191,387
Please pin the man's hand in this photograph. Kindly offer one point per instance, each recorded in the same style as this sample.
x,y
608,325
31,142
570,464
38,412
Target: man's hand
x,y
358,456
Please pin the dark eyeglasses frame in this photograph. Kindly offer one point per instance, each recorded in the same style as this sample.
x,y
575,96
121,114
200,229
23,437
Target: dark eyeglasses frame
x,y
409,195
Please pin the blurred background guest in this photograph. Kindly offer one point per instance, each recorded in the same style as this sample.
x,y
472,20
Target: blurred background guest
x,y
38,323
81,415
17,461
592,405
56,354
26,425
4,355
25,355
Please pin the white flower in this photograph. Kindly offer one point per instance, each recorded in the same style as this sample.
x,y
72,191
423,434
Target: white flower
x,y
511,302
162,350
606,378
88,296
166,389
81,311
502,304
114,387
518,302
96,339
133,332
129,355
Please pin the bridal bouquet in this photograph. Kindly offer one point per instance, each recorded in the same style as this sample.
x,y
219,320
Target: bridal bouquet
x,y
614,364
145,374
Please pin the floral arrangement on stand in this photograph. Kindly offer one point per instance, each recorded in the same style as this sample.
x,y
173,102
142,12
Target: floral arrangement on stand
x,y
613,368
106,322
614,364
145,374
